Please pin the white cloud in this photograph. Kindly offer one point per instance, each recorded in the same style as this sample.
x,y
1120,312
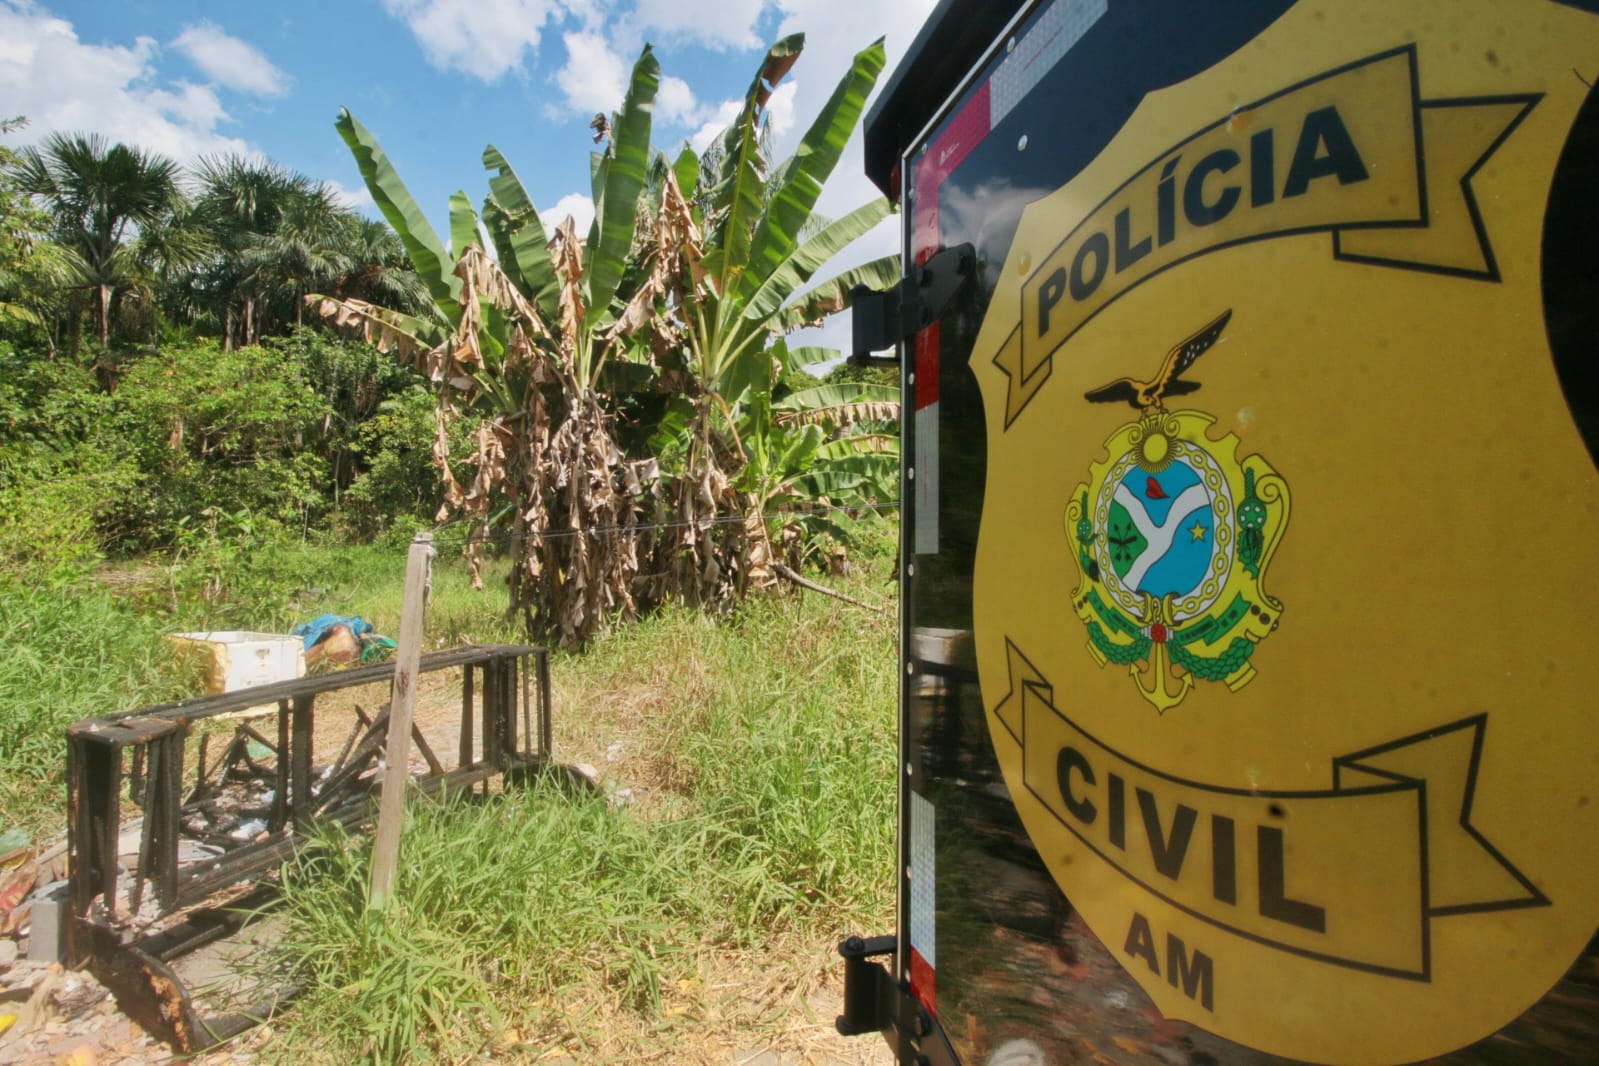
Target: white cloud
x,y
720,24
231,62
580,209
726,112
61,84
194,106
675,103
595,77
780,109
357,198
483,38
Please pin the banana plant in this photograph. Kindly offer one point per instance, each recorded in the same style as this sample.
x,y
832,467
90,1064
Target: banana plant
x,y
575,310
673,305
518,341
733,269
755,258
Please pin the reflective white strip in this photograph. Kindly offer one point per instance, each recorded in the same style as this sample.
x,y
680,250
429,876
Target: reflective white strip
x,y
923,895
925,483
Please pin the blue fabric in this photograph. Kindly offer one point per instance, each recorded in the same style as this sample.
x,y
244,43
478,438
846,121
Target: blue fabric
x,y
314,630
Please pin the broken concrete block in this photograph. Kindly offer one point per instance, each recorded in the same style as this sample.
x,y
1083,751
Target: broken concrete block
x,y
47,940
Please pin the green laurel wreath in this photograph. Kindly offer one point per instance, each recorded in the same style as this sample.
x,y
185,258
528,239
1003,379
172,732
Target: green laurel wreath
x,y
1120,654
1206,667
1213,669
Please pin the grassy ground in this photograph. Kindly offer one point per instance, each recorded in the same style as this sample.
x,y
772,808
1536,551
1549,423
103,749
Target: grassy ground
x,y
65,656
685,913
755,756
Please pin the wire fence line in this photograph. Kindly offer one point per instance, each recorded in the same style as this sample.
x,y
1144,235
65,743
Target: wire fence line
x,y
444,530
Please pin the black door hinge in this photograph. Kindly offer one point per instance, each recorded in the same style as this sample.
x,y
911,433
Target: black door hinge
x,y
875,1003
881,319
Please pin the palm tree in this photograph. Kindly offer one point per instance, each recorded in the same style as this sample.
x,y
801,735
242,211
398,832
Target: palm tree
x,y
102,198
372,266
297,254
276,236
242,205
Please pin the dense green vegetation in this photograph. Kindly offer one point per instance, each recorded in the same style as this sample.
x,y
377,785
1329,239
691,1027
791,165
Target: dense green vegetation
x,y
159,388
204,451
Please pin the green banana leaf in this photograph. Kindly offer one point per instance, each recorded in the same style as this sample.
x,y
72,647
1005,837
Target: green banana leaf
x,y
749,374
687,171
427,253
463,224
853,478
801,449
790,205
671,439
780,59
518,232
728,248
843,397
834,294
626,172
858,446
805,260
870,465
736,200
811,358
598,164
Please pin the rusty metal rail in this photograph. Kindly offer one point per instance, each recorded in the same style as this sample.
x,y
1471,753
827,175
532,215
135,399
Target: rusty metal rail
x,y
269,776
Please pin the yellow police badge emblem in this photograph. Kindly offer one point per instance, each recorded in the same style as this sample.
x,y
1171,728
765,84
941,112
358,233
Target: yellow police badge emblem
x,y
1372,778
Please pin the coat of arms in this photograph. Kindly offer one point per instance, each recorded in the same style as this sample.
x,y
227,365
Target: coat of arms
x,y
1173,533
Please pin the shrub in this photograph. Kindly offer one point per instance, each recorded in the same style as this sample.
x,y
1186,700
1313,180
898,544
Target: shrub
x,y
212,429
56,484
395,446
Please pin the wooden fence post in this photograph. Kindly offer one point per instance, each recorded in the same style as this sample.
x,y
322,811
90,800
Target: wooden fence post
x,y
397,748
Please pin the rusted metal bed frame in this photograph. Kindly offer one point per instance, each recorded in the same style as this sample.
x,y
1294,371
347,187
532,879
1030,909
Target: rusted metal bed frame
x,y
138,758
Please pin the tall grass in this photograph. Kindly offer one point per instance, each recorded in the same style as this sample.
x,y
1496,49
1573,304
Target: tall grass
x,y
97,645
767,745
65,656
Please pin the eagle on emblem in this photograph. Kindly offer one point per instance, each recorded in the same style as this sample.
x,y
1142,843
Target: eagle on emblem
x,y
1151,395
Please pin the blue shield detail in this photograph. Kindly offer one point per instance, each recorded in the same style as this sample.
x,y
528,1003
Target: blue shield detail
x,y
1173,511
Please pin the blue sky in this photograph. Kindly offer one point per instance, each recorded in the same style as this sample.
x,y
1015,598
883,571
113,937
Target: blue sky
x,y
435,80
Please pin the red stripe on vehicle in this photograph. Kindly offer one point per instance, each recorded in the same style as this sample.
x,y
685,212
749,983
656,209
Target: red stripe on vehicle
x,y
963,134
924,986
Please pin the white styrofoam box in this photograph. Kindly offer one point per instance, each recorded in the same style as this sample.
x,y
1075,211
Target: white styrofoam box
x,y
234,658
